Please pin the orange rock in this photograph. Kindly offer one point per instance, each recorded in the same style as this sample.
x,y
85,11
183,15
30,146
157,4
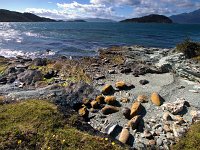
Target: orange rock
x,y
83,112
110,100
100,99
94,104
142,98
109,110
107,89
124,135
135,109
120,85
133,123
156,99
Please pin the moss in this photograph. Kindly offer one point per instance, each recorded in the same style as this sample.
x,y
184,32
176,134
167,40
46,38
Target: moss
x,y
189,48
3,65
37,124
191,141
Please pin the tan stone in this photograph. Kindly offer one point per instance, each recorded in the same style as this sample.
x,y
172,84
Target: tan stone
x,y
133,123
83,112
107,89
156,99
110,100
120,85
109,110
100,99
94,104
135,109
124,135
142,99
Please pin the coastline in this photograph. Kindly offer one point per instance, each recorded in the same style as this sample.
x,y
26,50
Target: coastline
x,y
66,82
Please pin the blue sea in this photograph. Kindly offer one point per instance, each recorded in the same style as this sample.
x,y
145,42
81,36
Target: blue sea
x,y
85,38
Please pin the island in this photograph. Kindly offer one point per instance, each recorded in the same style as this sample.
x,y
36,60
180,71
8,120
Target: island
x,y
153,18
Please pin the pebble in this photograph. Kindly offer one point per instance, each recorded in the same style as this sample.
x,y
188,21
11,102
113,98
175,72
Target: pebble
x,y
135,109
156,99
133,123
166,128
120,85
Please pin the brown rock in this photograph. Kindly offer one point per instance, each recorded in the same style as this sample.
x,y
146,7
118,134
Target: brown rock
x,y
86,101
133,123
156,99
107,89
142,99
94,104
126,112
110,100
124,100
121,85
109,110
124,135
83,112
135,109
100,99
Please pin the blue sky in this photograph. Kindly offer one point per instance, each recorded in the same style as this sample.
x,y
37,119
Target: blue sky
x,y
108,9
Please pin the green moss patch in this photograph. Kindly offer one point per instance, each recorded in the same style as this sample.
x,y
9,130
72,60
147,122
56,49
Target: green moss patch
x,y
37,124
191,141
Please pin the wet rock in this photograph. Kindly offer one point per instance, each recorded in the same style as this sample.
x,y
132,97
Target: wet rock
x,y
167,116
126,112
135,109
107,89
133,123
94,104
83,112
174,107
30,77
121,85
110,100
124,135
126,70
144,82
40,62
109,110
100,99
124,100
142,99
156,99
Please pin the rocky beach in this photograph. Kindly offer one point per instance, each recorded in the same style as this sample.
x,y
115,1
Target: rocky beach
x,y
144,97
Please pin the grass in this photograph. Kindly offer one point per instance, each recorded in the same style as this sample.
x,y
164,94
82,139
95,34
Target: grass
x,y
191,141
37,124
189,48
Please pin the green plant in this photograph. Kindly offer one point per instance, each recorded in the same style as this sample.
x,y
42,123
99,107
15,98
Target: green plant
x,y
189,48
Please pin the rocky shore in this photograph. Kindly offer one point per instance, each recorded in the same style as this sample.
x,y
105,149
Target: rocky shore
x,y
144,97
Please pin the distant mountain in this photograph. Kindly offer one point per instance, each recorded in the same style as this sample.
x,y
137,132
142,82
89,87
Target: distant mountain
x,y
12,16
154,18
98,20
187,18
77,20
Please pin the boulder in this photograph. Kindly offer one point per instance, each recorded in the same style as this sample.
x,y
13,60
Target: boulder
x,y
135,109
94,104
175,107
156,99
124,135
109,110
133,123
107,89
121,85
110,100
100,99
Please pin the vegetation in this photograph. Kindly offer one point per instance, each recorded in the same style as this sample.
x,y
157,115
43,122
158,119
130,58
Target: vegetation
x,y
189,48
37,124
192,139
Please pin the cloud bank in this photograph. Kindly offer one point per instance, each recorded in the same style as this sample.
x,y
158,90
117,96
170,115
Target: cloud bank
x,y
108,9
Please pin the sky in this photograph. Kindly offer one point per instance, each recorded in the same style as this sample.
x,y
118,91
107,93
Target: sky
x,y
107,9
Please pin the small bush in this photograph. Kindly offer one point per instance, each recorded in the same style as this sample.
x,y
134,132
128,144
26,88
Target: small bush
x,y
189,48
